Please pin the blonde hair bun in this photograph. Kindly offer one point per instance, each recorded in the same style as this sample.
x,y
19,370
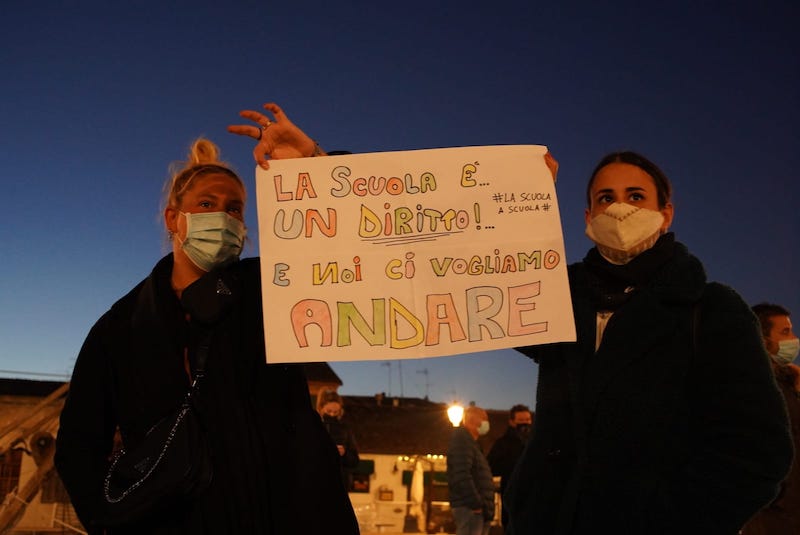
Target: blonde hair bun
x,y
203,159
203,151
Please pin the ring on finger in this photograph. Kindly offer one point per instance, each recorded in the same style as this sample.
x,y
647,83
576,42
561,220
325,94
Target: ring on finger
x,y
263,127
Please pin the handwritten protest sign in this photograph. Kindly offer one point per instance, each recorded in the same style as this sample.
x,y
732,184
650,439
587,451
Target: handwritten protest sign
x,y
411,254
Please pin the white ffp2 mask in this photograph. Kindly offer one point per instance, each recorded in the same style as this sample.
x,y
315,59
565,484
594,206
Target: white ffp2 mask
x,y
624,231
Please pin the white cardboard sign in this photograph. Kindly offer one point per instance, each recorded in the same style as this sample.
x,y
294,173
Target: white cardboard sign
x,y
411,254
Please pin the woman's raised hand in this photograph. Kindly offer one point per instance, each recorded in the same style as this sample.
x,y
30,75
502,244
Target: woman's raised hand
x,y
278,138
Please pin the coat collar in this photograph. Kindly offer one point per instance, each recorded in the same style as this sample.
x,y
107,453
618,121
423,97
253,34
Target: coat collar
x,y
157,305
649,319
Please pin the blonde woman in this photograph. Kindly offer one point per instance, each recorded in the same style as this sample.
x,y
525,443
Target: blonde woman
x,y
269,458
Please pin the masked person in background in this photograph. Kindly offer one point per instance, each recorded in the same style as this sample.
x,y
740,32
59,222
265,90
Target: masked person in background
x,y
469,478
782,515
330,407
506,450
268,447
663,417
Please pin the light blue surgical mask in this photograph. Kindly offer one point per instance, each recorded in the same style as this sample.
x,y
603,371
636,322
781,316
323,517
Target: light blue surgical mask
x,y
212,238
483,428
787,351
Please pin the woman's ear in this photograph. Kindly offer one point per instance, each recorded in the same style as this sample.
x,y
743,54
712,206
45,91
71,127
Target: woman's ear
x,y
171,220
587,216
668,212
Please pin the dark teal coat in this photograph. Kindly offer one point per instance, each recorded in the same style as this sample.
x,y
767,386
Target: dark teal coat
x,y
674,425
469,478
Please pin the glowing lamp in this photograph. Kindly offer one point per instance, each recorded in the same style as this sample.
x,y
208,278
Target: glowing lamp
x,y
455,413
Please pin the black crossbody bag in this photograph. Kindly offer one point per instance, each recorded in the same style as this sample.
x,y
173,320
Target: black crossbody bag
x,y
171,464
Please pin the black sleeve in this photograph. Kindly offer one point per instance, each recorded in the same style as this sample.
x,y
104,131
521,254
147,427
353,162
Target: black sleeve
x,y
530,352
500,459
350,458
743,447
86,432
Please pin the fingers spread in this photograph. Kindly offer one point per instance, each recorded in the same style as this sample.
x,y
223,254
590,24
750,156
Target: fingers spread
x,y
255,116
263,150
244,130
276,110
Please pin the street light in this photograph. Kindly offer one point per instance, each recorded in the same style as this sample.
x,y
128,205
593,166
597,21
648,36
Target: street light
x,y
455,413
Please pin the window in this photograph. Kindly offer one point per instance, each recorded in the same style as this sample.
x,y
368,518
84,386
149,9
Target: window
x,y
361,475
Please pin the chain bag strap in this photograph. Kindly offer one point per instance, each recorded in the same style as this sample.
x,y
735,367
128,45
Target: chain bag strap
x,y
170,464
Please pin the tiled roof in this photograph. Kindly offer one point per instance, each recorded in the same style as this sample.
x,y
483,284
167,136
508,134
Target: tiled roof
x,y
395,426
413,426
321,372
26,387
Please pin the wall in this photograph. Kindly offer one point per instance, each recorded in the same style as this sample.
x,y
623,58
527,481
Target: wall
x,y
389,515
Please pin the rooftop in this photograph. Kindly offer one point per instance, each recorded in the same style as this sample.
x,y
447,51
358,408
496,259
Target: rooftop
x,y
408,425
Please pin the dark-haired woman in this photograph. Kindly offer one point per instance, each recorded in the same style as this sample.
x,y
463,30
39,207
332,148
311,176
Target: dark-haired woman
x,y
663,416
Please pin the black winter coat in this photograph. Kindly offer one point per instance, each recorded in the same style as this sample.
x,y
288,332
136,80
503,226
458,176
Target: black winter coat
x,y
342,435
504,454
782,516
503,458
674,425
273,460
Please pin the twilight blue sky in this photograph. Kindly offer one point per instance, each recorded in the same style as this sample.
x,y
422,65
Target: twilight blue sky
x,y
97,98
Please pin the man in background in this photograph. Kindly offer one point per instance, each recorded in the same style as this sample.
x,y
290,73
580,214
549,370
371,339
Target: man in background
x,y
782,516
469,477
507,449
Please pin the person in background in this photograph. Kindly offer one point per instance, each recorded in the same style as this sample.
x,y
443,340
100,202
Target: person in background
x,y
469,478
330,407
272,462
663,417
507,449
782,515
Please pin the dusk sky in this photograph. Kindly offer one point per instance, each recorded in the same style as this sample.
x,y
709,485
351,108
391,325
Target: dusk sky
x,y
98,98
